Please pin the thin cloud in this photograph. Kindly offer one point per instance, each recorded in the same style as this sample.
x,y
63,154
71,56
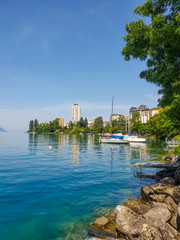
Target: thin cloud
x,y
27,31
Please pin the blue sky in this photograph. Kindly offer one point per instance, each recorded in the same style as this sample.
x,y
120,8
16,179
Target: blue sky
x,y
57,53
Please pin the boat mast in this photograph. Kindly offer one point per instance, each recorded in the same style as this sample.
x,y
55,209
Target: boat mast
x,y
112,112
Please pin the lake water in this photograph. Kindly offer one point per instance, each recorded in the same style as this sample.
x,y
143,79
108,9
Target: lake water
x,y
54,193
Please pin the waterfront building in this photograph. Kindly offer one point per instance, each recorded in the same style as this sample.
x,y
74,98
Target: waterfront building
x,y
154,111
132,110
90,123
114,117
144,113
76,113
61,121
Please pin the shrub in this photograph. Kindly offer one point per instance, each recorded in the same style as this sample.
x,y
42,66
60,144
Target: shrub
x,y
177,138
177,151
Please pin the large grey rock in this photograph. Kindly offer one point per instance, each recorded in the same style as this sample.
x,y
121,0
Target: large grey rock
x,y
128,222
168,232
150,233
157,216
158,213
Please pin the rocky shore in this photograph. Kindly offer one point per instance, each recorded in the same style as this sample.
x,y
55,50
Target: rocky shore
x,y
155,215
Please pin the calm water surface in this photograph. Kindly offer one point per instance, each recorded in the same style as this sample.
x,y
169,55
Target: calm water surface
x,y
54,193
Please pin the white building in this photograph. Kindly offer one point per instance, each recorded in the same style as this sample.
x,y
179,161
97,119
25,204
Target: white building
x,y
76,113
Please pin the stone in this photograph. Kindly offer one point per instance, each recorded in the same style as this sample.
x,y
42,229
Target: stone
x,y
104,226
145,193
167,181
101,221
128,222
173,221
173,192
157,197
165,173
169,232
94,238
177,176
150,233
172,206
157,216
139,206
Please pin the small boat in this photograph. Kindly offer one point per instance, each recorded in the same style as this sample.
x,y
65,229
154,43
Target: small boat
x,y
114,139
135,138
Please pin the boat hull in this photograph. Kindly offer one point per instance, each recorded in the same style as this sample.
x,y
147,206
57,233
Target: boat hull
x,y
114,140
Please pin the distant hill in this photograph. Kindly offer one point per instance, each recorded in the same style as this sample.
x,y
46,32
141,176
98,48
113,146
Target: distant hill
x,y
2,130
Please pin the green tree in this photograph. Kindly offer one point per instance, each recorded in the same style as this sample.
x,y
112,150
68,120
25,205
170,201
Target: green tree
x,y
31,126
85,122
159,43
71,125
36,123
98,125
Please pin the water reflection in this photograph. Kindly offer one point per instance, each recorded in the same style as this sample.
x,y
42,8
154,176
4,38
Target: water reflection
x,y
139,150
33,142
75,151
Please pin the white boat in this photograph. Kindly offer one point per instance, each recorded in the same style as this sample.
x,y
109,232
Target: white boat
x,y
135,139
113,140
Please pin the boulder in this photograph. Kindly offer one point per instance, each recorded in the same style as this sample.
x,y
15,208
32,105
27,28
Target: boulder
x,y
157,216
105,226
145,193
173,192
168,232
128,222
167,181
101,221
165,173
139,206
150,233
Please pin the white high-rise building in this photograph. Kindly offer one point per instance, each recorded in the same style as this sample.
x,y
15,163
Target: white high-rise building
x,y
76,113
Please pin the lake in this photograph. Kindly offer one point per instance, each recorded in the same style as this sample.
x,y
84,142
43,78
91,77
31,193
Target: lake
x,y
53,186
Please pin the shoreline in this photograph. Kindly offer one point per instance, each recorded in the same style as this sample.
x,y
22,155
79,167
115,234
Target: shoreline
x,y
154,215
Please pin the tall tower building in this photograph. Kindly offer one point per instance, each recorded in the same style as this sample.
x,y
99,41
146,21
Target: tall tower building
x,y
76,113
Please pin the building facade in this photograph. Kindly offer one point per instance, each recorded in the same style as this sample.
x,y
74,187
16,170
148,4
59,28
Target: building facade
x,y
61,121
76,113
144,112
114,117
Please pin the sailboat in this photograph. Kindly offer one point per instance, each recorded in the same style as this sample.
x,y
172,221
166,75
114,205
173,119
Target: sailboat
x,y
113,138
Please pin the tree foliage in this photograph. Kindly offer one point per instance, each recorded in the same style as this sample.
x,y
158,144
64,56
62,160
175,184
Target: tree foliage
x,y
98,125
159,43
31,126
